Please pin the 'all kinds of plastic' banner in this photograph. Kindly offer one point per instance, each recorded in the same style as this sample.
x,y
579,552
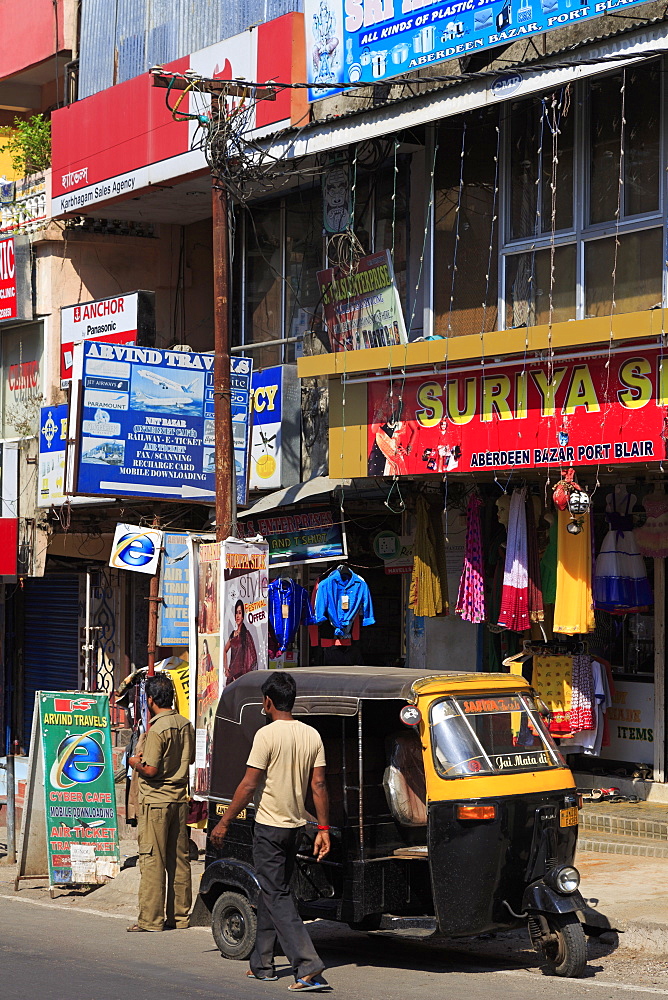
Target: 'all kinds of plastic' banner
x,y
356,42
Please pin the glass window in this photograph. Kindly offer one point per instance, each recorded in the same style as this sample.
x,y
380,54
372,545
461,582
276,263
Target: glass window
x,y
528,286
490,734
539,132
264,260
470,312
389,209
642,111
303,226
637,283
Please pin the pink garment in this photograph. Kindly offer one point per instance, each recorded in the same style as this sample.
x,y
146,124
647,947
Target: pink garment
x,y
471,598
582,697
514,612
652,537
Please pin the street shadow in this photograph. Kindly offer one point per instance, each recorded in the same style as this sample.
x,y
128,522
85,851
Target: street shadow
x,y
130,862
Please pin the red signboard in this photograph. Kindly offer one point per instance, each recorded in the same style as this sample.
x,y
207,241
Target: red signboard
x,y
607,410
8,308
122,319
9,537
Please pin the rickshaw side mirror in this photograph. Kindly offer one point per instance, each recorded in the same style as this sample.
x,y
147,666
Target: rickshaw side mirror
x,y
543,709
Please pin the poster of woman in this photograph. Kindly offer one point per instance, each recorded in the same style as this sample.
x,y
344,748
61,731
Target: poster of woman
x,y
208,692
208,583
245,622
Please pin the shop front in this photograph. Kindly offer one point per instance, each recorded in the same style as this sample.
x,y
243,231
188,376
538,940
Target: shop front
x,y
531,486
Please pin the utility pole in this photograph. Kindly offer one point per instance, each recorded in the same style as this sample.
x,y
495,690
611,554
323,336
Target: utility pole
x,y
153,603
225,480
224,449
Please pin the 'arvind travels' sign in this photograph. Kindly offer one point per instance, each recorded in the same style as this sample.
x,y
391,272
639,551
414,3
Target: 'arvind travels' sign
x,y
530,415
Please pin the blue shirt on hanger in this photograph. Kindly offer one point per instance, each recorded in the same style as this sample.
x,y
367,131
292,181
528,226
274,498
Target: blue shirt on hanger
x,y
294,598
339,600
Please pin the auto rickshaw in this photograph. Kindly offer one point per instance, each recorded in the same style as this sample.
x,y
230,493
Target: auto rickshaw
x,y
451,810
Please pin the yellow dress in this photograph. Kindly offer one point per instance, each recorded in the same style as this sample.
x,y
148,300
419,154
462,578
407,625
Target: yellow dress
x,y
552,677
573,608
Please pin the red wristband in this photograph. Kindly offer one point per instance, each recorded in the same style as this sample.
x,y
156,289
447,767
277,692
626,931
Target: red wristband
x,y
323,828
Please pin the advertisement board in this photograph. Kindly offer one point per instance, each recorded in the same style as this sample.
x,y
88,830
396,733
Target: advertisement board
x,y
275,454
143,424
173,610
631,722
123,319
241,370
78,780
607,409
136,549
312,535
363,309
370,41
8,305
232,631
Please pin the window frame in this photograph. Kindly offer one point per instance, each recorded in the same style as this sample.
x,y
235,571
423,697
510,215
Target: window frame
x,y
582,234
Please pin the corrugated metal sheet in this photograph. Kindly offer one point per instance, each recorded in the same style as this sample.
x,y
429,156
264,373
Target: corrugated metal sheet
x,y
127,37
51,639
98,31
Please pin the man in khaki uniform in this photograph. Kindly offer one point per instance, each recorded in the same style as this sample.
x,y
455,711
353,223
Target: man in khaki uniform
x,y
163,810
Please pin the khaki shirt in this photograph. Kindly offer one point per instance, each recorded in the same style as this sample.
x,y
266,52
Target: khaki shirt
x,y
287,751
170,746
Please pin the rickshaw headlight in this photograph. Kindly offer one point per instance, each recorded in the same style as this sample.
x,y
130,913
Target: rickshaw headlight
x,y
567,880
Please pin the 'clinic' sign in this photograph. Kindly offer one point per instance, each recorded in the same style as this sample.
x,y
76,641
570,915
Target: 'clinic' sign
x,y
15,279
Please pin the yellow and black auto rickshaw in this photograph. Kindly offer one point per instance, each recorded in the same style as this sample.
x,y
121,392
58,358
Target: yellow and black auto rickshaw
x,y
452,807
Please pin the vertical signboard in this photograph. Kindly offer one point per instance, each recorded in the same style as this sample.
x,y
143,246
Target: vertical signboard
x,y
241,370
8,304
232,630
123,319
78,781
173,627
52,447
276,435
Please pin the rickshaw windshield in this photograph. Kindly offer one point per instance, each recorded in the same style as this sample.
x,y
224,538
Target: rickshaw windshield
x,y
492,734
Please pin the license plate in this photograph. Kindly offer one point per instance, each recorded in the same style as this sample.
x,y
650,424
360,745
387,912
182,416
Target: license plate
x,y
568,817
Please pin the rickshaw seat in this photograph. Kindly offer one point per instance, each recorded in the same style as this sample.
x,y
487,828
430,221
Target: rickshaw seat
x,y
404,781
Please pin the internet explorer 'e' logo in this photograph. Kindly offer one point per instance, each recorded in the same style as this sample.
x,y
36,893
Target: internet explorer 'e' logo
x,y
135,549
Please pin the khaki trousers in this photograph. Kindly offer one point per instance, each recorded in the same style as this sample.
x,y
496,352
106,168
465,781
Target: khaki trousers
x,y
163,850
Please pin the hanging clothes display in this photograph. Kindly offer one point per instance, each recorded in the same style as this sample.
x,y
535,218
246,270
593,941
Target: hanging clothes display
x,y
620,581
548,564
582,700
429,582
534,590
471,597
289,608
573,608
652,537
552,678
514,613
591,741
340,597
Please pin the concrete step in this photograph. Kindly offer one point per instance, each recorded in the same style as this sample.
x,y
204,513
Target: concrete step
x,y
603,843
634,821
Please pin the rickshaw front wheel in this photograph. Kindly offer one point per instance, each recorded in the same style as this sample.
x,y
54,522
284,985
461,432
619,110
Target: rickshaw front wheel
x,y
234,925
560,940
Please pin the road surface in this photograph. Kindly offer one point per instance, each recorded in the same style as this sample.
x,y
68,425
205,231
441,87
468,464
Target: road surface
x,y
48,952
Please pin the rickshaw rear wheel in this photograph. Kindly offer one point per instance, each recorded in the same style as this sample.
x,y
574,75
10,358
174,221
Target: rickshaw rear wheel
x,y
560,940
234,925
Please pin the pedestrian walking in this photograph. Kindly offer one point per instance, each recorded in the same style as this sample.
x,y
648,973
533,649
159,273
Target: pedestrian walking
x,y
287,757
162,767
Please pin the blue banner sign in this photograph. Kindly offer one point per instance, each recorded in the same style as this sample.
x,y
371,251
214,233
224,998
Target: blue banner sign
x,y
146,423
355,42
174,590
241,371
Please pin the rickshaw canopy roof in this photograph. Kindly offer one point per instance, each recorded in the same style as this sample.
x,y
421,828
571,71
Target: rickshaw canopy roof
x,y
339,690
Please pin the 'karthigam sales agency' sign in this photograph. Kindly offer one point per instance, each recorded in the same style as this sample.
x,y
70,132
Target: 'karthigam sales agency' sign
x,y
357,42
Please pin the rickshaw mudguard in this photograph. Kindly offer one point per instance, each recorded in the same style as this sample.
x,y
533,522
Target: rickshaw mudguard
x,y
540,898
230,874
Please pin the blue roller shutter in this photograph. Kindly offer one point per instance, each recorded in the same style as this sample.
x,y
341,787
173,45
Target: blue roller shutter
x,y
50,638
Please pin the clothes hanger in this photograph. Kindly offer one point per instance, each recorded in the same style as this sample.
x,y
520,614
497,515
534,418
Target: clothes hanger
x,y
345,571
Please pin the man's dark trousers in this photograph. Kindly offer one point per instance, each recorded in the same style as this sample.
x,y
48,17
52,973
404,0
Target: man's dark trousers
x,y
274,852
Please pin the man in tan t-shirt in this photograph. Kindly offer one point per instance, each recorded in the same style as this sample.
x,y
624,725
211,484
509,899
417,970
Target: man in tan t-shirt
x,y
286,759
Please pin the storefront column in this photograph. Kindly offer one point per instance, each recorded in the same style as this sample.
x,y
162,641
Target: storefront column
x,y
659,668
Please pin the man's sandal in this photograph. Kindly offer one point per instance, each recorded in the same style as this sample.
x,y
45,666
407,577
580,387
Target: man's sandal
x,y
263,979
136,929
308,985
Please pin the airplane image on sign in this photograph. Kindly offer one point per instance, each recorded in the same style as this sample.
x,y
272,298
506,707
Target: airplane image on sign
x,y
167,383
164,400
